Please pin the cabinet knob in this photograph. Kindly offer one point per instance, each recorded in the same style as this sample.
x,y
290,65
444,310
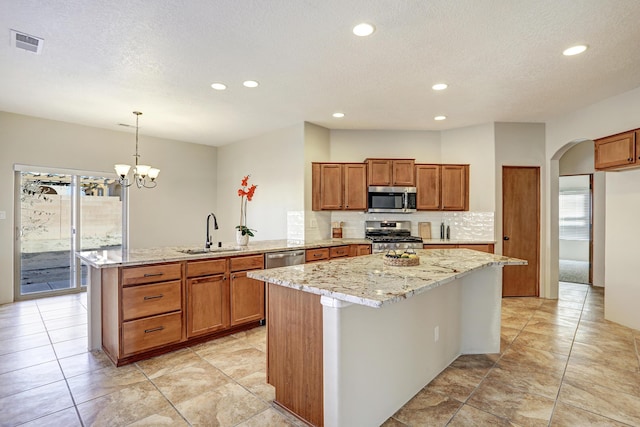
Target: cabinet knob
x,y
505,238
630,159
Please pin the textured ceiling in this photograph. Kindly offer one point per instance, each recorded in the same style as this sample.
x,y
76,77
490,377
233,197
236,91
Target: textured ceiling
x,y
501,58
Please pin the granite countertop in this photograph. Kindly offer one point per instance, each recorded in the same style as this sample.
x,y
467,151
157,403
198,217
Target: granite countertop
x,y
365,280
132,257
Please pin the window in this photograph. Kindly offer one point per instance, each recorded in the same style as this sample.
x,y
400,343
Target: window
x,y
575,214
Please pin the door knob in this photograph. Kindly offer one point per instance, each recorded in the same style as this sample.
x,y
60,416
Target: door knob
x,y
505,238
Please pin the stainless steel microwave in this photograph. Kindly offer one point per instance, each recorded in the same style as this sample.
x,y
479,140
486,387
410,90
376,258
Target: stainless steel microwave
x,y
392,199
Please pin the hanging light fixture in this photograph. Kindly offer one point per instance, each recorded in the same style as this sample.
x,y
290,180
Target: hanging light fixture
x,y
143,175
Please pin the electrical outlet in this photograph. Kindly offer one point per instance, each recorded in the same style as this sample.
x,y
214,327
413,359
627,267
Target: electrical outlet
x,y
313,223
3,215
436,334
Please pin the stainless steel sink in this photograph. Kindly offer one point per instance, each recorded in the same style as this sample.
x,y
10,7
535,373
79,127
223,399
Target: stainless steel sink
x,y
195,251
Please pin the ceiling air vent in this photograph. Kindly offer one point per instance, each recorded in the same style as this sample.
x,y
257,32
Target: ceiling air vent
x,y
26,42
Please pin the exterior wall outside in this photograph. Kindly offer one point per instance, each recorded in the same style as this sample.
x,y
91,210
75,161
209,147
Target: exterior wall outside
x,y
171,214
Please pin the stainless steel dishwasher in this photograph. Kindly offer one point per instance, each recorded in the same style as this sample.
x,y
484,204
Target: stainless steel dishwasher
x,y
284,258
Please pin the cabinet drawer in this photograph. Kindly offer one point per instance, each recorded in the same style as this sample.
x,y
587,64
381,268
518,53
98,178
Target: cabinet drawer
x,y
147,300
250,262
150,332
316,254
150,274
437,246
206,268
338,251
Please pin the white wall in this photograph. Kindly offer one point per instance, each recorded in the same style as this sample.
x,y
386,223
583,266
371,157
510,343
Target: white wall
x,y
610,116
622,248
474,145
171,214
317,148
357,145
275,162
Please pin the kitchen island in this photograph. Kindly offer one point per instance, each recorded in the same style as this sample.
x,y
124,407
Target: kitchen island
x,y
143,302
350,341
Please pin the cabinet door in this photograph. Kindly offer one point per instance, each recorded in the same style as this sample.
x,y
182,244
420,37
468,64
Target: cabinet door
x,y
428,187
330,186
207,305
364,250
247,299
615,151
403,173
355,186
379,172
455,187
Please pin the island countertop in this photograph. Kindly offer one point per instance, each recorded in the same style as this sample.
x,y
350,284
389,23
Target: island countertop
x,y
143,256
367,281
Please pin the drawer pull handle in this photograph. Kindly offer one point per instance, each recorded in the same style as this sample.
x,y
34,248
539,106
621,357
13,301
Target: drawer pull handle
x,y
153,297
153,274
317,255
159,328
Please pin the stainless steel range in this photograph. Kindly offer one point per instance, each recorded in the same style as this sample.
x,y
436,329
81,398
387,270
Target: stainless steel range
x,y
391,235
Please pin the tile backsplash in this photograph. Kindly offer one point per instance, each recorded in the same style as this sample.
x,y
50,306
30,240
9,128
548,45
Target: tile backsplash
x,y
463,225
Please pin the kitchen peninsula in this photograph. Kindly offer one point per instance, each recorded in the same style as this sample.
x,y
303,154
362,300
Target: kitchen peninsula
x,y
144,302
350,341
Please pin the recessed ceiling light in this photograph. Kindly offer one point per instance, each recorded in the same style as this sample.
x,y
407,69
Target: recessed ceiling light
x,y
250,83
218,86
439,86
338,115
363,30
574,50
440,118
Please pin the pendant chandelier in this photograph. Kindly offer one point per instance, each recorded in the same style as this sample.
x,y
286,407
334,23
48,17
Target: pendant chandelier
x,y
143,175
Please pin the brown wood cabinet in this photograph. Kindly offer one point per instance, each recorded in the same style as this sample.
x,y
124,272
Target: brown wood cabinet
x,y
428,187
442,187
359,250
339,186
617,151
313,255
391,172
247,295
142,308
339,251
207,297
482,247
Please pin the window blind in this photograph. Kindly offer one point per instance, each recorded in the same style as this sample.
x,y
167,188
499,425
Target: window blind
x,y
575,215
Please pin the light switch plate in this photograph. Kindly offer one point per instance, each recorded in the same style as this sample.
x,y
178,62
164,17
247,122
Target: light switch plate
x,y
3,215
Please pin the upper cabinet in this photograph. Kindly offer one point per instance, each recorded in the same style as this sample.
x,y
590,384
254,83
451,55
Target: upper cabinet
x,y
339,186
455,187
617,151
442,187
428,187
391,172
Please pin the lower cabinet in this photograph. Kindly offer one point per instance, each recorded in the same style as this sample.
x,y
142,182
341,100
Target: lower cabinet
x,y
207,305
359,250
207,297
247,295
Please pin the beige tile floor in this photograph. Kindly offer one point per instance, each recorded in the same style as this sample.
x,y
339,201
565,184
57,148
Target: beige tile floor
x,y
561,364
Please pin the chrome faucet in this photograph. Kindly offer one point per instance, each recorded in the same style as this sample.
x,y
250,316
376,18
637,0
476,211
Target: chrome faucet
x,y
208,243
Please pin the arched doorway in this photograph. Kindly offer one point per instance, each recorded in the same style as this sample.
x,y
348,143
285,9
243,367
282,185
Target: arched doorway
x,y
581,151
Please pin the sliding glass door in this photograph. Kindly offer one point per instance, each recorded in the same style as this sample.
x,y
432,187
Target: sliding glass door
x,y
57,215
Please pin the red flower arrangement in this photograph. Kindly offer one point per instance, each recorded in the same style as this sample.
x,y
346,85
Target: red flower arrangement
x,y
245,193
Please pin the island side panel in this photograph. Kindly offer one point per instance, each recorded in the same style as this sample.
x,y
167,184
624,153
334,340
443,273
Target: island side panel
x,y
94,309
294,334
110,313
481,309
377,359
